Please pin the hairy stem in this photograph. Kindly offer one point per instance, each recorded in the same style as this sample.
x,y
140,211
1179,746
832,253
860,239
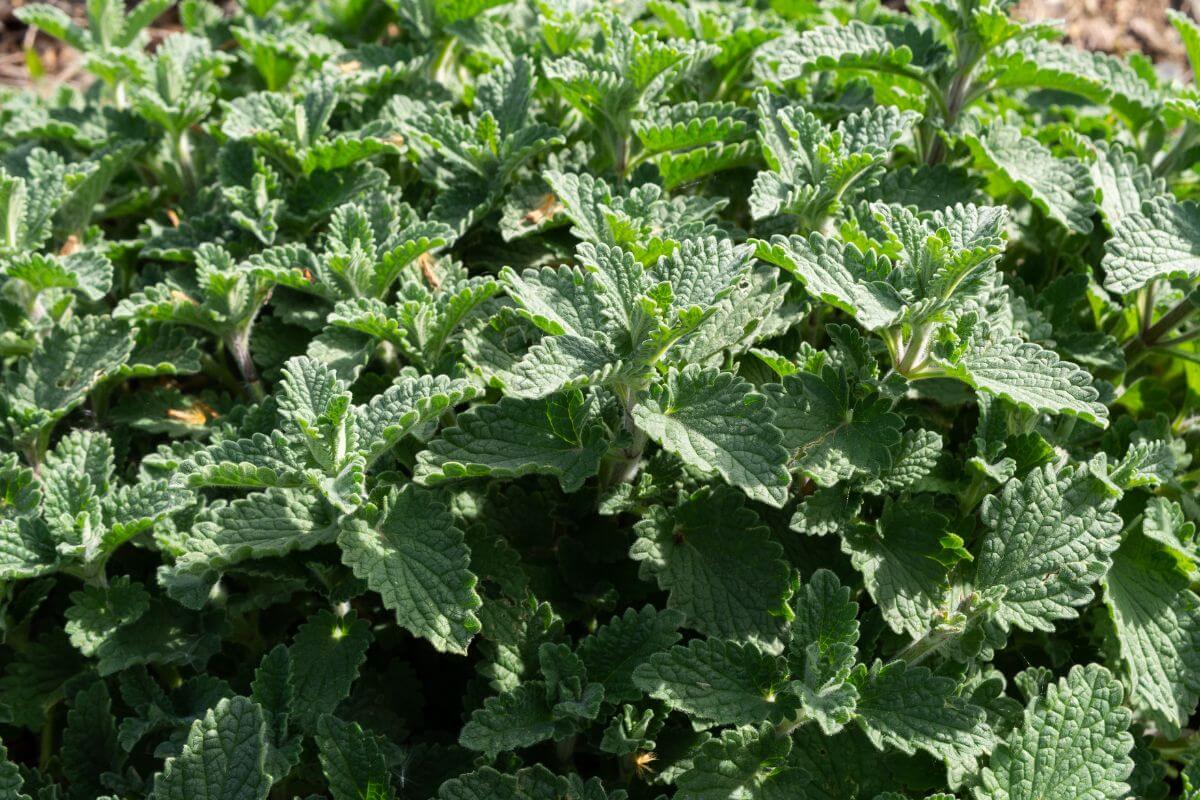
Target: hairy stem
x,y
953,103
920,649
625,469
239,349
790,726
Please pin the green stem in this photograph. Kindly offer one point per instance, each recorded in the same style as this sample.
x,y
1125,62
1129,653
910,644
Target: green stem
x,y
216,369
443,59
1145,307
46,749
920,649
1180,339
1182,145
953,103
183,154
974,494
626,468
790,726
1138,346
916,351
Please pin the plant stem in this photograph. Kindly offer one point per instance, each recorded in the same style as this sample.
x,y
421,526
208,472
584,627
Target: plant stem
x,y
1145,307
216,369
441,63
565,750
46,743
1136,347
239,349
916,350
790,726
1181,146
953,103
920,649
183,153
626,468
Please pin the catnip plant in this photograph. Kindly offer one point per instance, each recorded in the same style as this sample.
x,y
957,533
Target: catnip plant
x,y
548,399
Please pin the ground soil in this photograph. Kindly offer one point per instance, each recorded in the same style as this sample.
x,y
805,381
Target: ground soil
x,y
1120,26
1115,26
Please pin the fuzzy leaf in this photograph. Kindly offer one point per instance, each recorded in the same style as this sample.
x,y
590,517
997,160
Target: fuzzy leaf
x,y
725,682
326,655
1050,537
715,422
224,757
556,435
353,761
1162,241
719,565
416,559
1157,619
1072,743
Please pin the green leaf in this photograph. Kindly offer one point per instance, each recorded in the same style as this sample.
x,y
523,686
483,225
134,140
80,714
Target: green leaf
x,y
11,781
165,634
899,560
1161,241
823,650
1049,538
1123,183
224,757
749,763
814,168
1072,743
556,435
529,783
854,46
89,746
1029,375
26,549
1060,187
274,690
913,460
833,435
719,564
1157,619
685,125
395,412
326,655
416,559
67,365
353,761
510,721
54,22
270,523
1036,63
838,274
97,611
261,462
561,363
715,422
725,682
615,650
912,709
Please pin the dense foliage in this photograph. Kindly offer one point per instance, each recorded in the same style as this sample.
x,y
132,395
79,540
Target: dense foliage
x,y
475,400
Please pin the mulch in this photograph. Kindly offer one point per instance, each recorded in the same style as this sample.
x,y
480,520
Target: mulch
x,y
1114,26
1120,27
